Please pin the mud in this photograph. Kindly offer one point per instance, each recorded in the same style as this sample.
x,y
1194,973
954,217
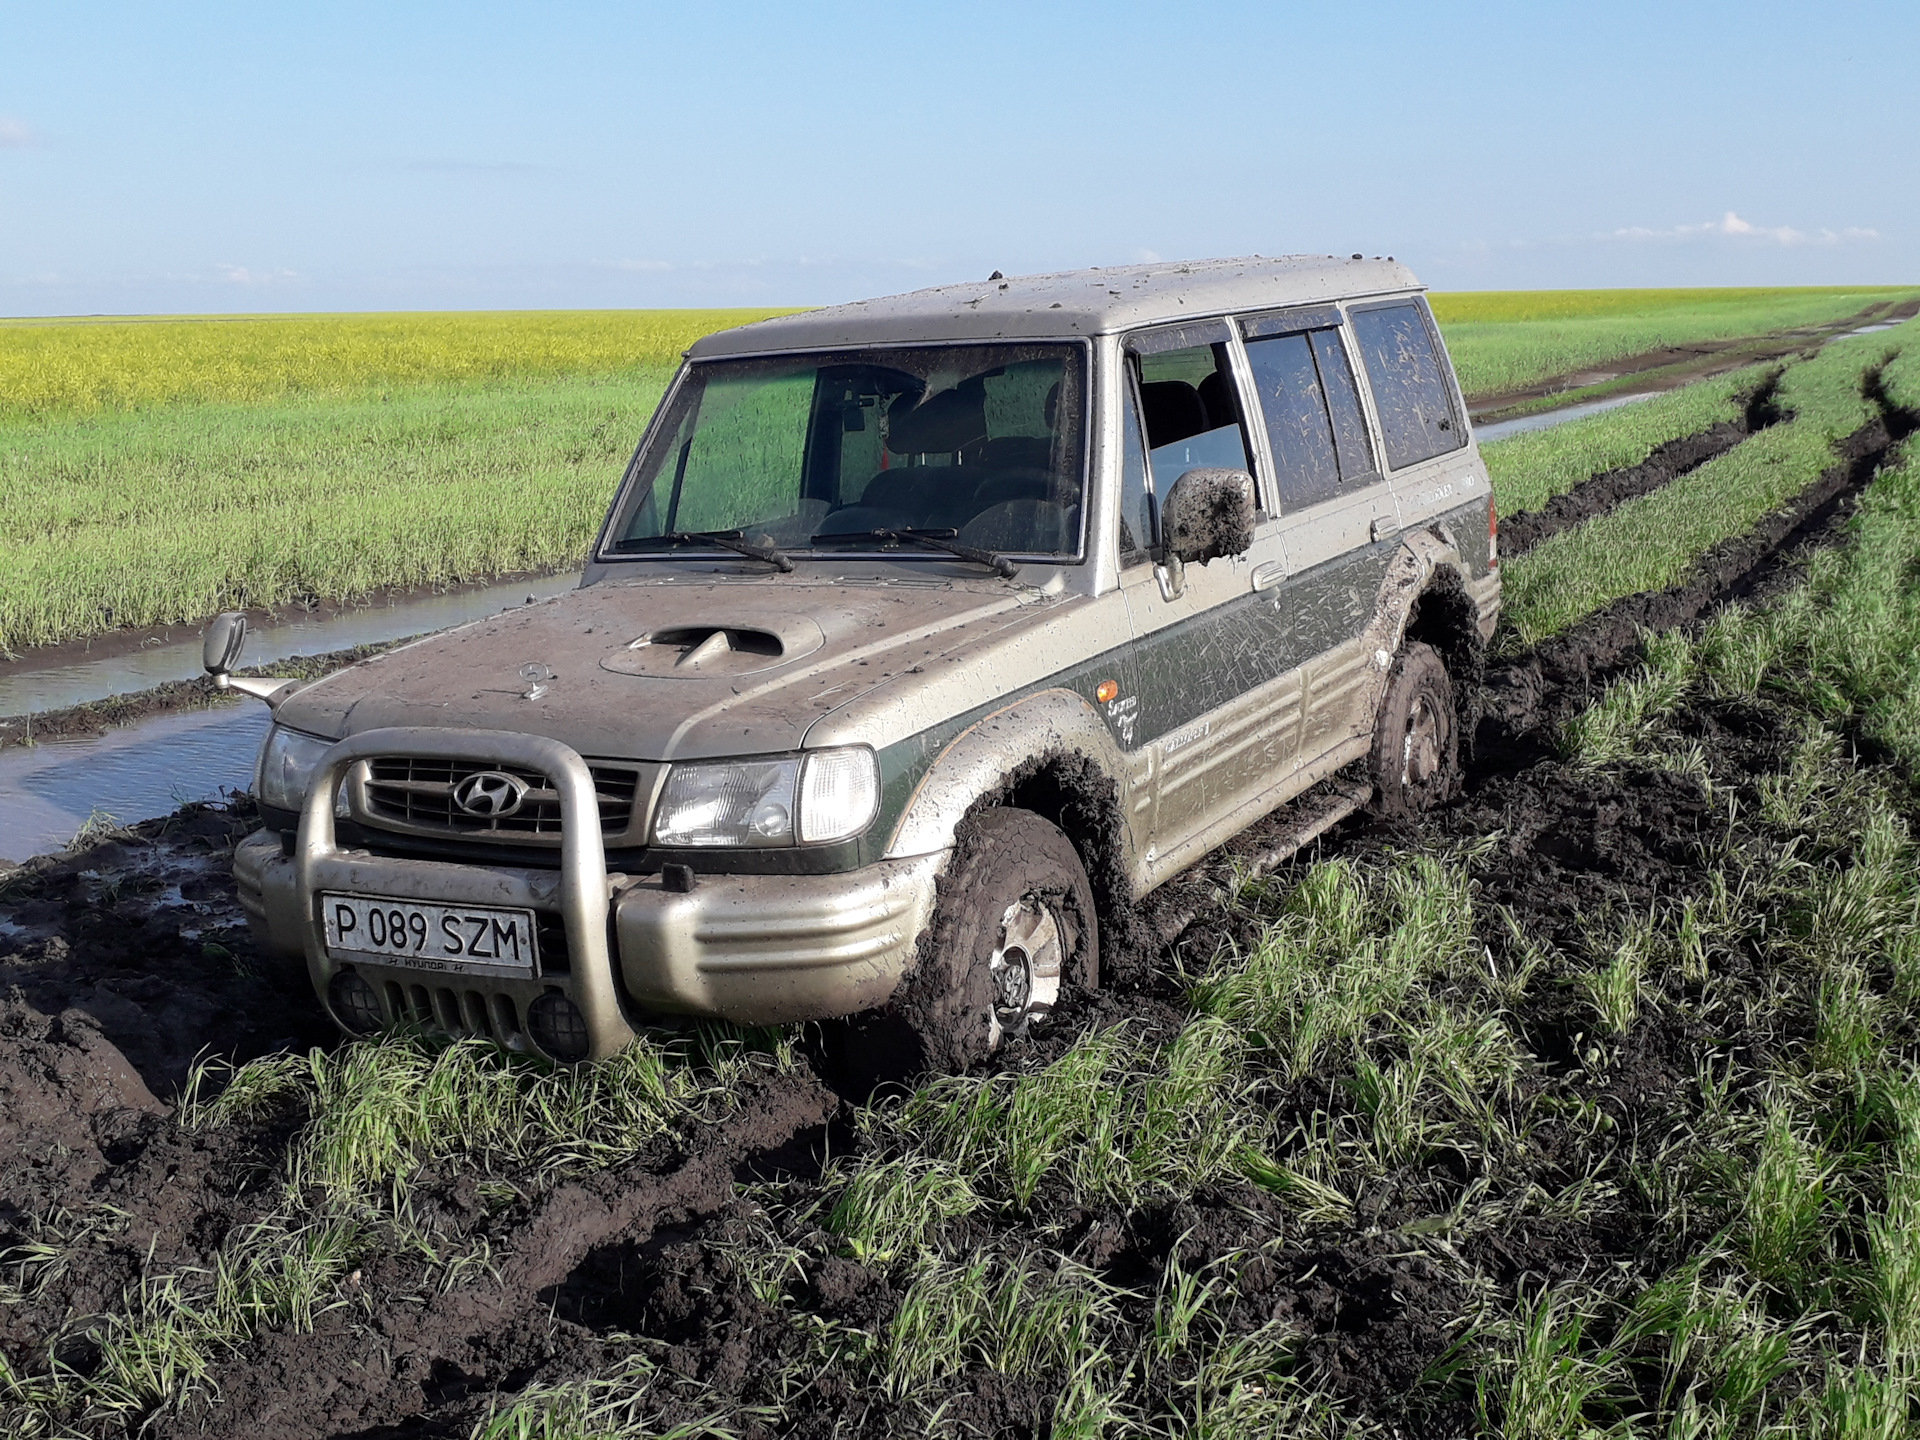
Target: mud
x,y
1670,368
1523,699
408,1362
99,716
1520,532
139,938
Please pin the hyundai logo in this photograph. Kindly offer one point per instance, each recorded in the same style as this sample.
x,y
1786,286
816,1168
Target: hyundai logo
x,y
491,794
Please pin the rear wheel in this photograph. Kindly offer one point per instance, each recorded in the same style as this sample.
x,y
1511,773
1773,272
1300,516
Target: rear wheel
x,y
1415,761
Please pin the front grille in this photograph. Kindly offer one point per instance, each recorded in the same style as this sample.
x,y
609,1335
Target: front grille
x,y
459,1013
416,793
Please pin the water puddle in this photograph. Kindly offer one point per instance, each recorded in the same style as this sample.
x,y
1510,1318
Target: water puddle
x,y
48,791
1876,327
1547,419
24,691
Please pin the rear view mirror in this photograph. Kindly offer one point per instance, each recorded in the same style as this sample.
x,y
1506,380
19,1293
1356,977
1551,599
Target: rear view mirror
x,y
226,637
1208,515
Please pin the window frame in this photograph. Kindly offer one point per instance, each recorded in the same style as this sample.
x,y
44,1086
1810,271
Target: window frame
x,y
1149,553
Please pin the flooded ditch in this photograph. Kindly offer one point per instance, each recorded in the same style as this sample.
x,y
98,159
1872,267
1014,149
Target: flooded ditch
x,y
49,791
179,750
69,675
1547,419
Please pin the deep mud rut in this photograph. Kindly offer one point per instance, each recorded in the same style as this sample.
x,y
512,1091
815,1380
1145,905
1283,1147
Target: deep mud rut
x,y
120,963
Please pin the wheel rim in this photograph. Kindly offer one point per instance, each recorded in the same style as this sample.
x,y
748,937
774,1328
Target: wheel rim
x,y
1421,755
1024,970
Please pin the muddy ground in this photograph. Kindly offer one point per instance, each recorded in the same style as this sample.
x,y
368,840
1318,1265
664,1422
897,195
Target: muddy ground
x,y
1655,371
76,721
120,963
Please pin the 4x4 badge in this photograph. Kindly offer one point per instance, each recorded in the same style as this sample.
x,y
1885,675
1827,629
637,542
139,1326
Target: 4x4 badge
x,y
490,794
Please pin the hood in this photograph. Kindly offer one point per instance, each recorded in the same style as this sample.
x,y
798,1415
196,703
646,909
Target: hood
x,y
665,669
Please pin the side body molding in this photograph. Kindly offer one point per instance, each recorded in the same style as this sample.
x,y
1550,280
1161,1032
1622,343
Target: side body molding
x,y
979,760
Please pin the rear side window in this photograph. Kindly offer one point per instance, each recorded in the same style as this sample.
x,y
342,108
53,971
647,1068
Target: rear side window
x,y
1314,426
1409,383
1350,436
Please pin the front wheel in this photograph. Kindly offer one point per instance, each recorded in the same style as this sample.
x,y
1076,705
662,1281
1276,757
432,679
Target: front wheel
x,y
1415,762
1013,930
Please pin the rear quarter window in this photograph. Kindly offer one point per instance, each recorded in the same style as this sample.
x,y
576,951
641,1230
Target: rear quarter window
x,y
1409,381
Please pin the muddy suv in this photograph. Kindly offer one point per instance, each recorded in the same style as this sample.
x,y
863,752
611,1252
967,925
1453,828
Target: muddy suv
x,y
923,636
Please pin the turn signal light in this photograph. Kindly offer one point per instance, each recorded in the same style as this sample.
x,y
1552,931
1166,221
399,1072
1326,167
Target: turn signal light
x,y
1108,689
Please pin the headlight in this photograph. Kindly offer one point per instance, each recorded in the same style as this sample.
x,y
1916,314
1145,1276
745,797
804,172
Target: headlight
x,y
287,762
828,795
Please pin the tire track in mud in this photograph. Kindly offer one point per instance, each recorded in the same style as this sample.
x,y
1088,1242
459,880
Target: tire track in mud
x,y
1665,464
1562,672
392,1367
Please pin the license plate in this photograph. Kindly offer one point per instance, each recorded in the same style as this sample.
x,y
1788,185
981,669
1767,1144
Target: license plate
x,y
470,939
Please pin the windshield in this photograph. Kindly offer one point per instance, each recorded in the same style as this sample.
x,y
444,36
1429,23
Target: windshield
x,y
980,443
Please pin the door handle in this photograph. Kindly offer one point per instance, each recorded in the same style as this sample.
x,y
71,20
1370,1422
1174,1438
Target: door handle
x,y
1268,574
1385,525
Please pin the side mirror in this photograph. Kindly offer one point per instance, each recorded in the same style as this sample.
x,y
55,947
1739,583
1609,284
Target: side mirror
x,y
226,637
1207,515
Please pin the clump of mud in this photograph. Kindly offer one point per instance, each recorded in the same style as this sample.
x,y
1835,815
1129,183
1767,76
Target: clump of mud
x,y
140,938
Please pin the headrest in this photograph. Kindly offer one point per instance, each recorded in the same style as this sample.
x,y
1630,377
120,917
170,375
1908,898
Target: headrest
x,y
943,423
1173,411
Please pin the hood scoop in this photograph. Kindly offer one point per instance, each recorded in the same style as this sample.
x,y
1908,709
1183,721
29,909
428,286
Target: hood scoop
x,y
706,652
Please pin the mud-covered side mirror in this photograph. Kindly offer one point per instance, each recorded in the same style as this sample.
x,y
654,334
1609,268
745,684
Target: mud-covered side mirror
x,y
1208,515
226,637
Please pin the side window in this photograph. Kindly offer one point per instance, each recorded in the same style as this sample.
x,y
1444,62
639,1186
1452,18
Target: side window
x,y
1350,436
1409,384
1305,467
1191,413
1136,495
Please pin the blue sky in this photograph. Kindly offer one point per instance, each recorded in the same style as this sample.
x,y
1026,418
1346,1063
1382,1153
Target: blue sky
x,y
192,158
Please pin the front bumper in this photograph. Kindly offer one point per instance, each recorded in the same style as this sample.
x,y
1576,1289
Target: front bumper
x,y
752,949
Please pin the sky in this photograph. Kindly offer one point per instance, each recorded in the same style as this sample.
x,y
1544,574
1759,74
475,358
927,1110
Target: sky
x,y
166,158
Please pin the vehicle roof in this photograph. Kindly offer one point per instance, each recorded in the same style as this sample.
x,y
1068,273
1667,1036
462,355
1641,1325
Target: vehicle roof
x,y
1070,303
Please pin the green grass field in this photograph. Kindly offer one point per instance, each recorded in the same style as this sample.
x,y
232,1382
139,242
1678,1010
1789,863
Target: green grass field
x,y
1504,340
1648,543
155,471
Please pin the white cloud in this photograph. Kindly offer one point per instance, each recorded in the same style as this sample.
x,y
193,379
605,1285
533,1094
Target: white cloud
x,y
15,134
241,275
1732,225
1147,257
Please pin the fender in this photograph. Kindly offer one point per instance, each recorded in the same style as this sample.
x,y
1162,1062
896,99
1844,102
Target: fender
x,y
981,758
1427,559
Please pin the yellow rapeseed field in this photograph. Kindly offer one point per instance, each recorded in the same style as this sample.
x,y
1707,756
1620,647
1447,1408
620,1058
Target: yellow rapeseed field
x,y
79,367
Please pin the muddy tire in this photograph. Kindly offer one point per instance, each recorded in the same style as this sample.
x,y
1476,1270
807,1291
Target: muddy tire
x,y
1415,762
1013,930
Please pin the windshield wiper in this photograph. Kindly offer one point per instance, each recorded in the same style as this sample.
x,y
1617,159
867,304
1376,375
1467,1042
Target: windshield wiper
x,y
938,539
725,539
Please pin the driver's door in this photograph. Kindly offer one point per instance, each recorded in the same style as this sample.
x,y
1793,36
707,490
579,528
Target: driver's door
x,y
1209,718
